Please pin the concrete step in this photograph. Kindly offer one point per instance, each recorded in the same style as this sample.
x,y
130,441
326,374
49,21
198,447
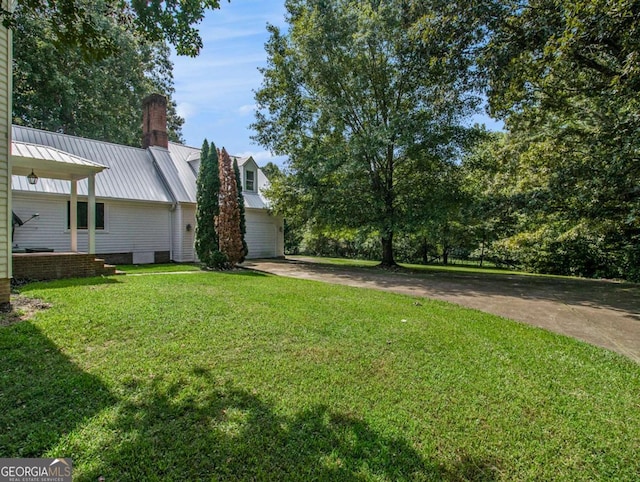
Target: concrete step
x,y
105,269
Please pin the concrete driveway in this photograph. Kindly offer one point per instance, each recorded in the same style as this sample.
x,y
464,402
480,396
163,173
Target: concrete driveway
x,y
603,313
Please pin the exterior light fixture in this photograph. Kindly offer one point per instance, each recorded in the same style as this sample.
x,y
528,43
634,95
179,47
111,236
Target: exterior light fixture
x,y
33,179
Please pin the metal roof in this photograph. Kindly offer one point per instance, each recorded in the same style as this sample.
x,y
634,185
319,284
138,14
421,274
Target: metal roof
x,y
34,151
242,160
254,200
154,174
182,177
186,154
131,173
178,174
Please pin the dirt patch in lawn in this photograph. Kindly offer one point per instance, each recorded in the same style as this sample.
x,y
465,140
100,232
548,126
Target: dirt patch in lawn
x,y
21,309
600,312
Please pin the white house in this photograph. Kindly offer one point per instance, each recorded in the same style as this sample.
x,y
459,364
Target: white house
x,y
5,159
145,199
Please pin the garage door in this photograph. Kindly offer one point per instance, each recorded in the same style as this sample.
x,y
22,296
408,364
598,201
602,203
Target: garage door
x,y
261,240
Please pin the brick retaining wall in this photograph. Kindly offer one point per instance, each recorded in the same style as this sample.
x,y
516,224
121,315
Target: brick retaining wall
x,y
46,266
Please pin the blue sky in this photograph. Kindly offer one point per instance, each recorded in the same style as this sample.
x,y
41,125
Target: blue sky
x,y
215,91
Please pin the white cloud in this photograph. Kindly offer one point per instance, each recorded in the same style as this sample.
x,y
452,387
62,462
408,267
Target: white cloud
x,y
186,110
209,62
221,34
247,109
215,91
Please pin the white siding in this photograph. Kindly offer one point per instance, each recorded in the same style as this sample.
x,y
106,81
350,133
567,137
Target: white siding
x,y
265,237
176,233
130,227
188,246
183,239
5,143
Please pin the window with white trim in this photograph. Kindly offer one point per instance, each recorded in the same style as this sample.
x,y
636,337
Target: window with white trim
x,y
249,181
82,215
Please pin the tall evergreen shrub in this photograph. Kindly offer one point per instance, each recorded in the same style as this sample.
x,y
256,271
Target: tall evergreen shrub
x,y
208,190
243,223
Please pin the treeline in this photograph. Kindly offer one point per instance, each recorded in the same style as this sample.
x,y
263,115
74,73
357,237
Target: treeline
x,y
510,213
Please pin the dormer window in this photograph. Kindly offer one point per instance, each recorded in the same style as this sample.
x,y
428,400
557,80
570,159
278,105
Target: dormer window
x,y
249,180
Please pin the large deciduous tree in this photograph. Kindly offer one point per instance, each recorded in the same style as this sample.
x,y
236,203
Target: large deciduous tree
x,y
59,88
368,101
565,76
80,22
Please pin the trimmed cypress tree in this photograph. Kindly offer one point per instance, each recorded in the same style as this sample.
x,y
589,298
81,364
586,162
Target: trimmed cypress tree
x,y
208,190
228,220
243,223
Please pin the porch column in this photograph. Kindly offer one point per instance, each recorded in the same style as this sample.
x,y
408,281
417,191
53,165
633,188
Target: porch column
x,y
73,216
91,213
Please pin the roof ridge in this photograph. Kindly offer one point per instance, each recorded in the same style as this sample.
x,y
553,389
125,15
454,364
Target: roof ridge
x,y
185,145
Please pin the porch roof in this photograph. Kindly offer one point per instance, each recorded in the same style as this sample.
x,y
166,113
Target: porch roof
x,y
51,163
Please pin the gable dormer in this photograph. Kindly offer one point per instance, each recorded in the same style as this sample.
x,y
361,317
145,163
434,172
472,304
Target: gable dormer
x,y
249,172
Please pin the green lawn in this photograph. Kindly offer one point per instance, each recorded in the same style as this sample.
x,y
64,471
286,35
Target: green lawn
x,y
241,376
451,268
158,268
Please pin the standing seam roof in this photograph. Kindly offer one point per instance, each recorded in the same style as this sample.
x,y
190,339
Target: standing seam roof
x,y
35,151
131,174
154,174
179,175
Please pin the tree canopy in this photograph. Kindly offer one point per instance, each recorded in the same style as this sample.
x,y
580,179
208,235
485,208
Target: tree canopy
x,y
60,89
80,22
368,99
557,192
240,201
229,221
565,76
67,51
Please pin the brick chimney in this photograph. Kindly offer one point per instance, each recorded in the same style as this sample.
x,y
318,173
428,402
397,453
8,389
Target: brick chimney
x,y
154,121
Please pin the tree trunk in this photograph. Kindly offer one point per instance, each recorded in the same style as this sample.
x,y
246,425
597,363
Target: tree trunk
x,y
425,251
388,196
387,250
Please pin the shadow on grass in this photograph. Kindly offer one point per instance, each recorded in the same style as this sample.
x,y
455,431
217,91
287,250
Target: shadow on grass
x,y
196,429
191,429
43,394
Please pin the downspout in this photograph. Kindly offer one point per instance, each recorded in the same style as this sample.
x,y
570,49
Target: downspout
x,y
172,209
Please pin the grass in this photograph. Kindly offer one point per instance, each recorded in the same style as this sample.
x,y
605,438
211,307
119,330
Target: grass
x,y
158,268
451,268
241,376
